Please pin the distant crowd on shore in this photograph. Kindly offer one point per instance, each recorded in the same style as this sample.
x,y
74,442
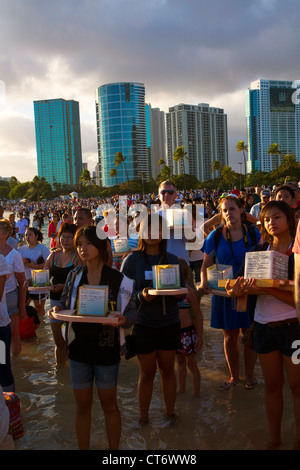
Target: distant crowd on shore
x,y
251,198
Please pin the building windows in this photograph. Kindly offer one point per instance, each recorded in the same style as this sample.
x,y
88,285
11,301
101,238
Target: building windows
x,y
121,127
58,141
203,132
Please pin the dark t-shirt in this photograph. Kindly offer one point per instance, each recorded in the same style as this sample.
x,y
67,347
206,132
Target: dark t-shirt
x,y
96,343
138,266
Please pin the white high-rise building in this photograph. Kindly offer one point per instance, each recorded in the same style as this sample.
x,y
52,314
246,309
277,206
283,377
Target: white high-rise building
x,y
272,116
202,130
157,131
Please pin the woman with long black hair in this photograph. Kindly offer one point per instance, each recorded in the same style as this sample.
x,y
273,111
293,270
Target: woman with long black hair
x,y
156,333
276,326
60,263
94,348
34,255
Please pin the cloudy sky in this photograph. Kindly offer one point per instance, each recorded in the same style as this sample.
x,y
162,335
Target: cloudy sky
x,y
184,51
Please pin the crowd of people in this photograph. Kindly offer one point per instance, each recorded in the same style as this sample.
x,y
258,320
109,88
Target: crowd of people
x,y
163,330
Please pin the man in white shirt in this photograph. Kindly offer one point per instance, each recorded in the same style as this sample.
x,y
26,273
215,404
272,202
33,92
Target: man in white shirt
x,y
21,226
264,197
167,195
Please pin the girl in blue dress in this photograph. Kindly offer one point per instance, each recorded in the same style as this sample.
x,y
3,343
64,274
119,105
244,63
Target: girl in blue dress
x,y
234,242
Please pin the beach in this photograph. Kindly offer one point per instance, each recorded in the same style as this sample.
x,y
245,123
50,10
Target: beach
x,y
217,420
234,419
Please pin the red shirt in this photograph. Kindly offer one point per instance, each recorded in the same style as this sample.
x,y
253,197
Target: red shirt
x,y
296,248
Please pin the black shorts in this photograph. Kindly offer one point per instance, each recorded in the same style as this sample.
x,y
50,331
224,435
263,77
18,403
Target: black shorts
x,y
282,338
147,340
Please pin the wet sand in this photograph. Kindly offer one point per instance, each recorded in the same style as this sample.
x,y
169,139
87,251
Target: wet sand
x,y
217,420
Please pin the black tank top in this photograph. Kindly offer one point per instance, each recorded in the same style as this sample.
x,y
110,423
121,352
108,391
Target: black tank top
x,y
59,276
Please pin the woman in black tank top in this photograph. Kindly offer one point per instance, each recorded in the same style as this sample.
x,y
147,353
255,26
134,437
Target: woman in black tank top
x,y
60,263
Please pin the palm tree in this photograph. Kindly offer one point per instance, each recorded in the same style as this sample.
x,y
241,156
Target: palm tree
x,y
114,174
85,177
275,152
13,182
216,166
289,162
39,189
120,159
179,156
228,176
161,162
165,174
241,147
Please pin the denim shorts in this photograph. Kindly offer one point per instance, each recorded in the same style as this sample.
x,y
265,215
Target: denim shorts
x,y
83,375
268,339
12,301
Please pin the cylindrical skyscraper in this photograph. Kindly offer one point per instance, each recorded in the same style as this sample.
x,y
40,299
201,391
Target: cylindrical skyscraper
x,y
121,127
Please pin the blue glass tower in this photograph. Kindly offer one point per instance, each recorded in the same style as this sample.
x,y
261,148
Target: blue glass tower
x,y
272,116
121,127
58,141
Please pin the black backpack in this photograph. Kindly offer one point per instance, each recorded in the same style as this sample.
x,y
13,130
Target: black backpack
x,y
250,231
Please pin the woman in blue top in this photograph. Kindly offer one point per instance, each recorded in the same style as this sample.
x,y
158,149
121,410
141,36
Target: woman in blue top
x,y
235,241
156,333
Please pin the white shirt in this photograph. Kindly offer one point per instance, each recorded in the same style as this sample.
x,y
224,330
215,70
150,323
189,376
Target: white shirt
x,y
176,246
196,253
33,254
15,265
4,318
21,224
270,309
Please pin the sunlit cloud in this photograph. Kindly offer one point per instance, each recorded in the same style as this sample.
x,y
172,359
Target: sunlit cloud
x,y
183,51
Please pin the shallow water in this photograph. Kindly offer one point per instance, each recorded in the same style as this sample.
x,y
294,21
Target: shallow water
x,y
217,420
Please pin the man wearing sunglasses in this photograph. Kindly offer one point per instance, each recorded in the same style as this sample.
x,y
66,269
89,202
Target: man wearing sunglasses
x,y
167,194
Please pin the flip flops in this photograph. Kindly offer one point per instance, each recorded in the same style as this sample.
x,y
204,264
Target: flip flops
x,y
227,385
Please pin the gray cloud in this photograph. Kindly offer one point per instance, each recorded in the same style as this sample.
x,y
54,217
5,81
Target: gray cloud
x,y
183,50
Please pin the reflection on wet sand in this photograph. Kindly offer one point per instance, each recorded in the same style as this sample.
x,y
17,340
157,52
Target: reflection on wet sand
x,y
217,420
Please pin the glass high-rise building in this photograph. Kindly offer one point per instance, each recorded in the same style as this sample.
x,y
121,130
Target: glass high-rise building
x,y
121,127
58,140
202,130
272,116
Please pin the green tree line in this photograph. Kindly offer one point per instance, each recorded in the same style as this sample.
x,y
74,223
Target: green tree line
x,y
223,178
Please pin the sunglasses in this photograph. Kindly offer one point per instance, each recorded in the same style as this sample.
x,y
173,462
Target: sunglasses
x,y
167,191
